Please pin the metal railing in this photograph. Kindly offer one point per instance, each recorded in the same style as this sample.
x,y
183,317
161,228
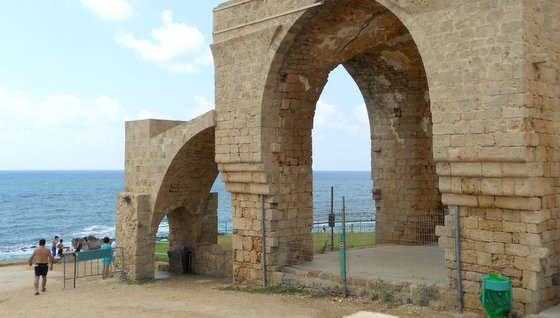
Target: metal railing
x,y
90,263
362,225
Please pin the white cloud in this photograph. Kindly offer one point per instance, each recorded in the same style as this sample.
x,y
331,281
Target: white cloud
x,y
202,106
341,137
360,112
175,46
63,112
148,114
13,102
327,118
322,114
60,132
115,10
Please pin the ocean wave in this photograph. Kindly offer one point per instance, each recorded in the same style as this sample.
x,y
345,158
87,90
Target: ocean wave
x,y
16,251
98,231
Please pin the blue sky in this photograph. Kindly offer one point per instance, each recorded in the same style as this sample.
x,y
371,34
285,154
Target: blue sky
x,y
73,71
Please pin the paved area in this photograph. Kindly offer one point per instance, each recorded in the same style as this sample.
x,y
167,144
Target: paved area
x,y
414,264
553,312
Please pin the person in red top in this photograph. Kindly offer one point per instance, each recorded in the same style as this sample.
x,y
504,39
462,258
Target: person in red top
x,y
41,256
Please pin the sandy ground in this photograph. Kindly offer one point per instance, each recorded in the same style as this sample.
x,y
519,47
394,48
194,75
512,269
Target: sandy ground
x,y
177,296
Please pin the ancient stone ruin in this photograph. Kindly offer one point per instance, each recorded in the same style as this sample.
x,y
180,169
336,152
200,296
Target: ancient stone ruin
x,y
463,99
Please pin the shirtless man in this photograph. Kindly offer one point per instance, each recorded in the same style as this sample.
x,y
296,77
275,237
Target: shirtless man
x,y
41,257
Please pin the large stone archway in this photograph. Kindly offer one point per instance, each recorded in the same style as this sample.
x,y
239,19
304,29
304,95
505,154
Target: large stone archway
x,y
381,55
465,87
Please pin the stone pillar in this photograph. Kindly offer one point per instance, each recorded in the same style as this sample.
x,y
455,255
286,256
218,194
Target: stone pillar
x,y
507,227
407,200
500,241
246,238
132,233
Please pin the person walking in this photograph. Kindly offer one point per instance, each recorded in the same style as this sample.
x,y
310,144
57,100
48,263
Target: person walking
x,y
41,257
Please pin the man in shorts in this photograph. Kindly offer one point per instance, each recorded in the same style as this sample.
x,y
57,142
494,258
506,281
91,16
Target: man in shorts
x,y
41,257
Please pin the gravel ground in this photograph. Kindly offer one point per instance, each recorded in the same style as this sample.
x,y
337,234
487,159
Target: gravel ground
x,y
177,296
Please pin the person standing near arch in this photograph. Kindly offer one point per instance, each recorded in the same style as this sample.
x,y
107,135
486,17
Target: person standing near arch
x,y
60,247
107,260
53,248
41,257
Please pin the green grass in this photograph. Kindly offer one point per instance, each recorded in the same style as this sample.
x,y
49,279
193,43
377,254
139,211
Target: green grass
x,y
276,290
353,240
224,240
162,247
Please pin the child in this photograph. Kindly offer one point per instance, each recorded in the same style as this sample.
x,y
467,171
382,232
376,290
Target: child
x,y
106,260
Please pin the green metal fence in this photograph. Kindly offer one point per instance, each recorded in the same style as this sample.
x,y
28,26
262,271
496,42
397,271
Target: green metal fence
x,y
90,263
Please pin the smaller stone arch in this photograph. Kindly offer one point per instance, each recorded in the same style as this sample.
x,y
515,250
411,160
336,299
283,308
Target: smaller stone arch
x,y
169,171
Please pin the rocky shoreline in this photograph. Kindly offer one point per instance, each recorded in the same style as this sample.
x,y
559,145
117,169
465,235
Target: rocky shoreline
x,y
89,242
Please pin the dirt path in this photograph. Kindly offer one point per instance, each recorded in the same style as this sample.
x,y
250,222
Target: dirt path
x,y
179,296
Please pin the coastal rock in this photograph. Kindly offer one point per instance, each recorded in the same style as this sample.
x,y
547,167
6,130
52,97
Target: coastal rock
x,y
88,243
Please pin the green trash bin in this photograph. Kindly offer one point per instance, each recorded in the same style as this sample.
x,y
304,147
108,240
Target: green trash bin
x,y
496,295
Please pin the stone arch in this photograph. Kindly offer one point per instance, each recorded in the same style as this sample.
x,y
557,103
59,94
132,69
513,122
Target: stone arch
x,y
379,53
169,170
183,194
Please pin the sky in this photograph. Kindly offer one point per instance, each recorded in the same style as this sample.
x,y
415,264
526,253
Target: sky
x,y
73,71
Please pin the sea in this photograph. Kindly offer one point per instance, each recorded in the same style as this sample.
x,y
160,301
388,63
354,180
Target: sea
x,y
73,204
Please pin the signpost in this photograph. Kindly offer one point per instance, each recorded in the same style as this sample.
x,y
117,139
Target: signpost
x,y
343,250
332,220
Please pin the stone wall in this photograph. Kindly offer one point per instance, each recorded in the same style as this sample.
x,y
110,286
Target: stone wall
x,y
213,260
390,293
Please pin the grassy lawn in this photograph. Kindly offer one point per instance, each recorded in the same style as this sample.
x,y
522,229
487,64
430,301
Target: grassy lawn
x,y
353,240
320,241
162,248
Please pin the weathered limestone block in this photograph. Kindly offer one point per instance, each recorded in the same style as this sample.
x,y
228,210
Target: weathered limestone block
x,y
132,233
